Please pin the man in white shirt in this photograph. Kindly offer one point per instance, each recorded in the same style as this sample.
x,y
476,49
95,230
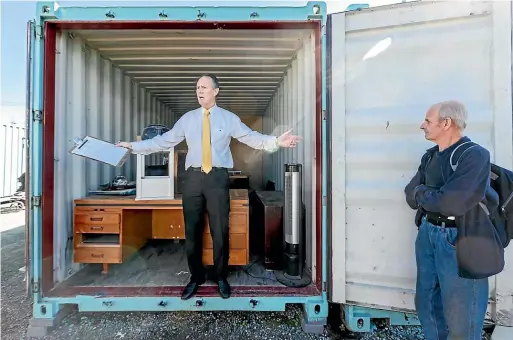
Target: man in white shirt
x,y
208,131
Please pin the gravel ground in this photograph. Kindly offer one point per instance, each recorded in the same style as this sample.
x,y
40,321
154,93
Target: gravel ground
x,y
16,311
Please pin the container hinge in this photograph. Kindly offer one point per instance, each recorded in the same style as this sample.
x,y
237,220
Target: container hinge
x,y
324,201
37,115
39,32
36,201
323,114
35,286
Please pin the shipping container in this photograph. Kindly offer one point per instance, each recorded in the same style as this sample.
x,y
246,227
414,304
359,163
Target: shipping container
x,y
387,65
13,157
355,85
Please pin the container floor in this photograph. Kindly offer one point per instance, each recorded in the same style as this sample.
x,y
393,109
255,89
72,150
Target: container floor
x,y
161,266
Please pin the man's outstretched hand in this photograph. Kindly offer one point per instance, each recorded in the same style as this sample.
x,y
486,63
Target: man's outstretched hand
x,y
124,145
287,140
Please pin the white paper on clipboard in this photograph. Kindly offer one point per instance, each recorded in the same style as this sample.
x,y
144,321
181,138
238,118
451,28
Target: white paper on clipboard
x,y
101,151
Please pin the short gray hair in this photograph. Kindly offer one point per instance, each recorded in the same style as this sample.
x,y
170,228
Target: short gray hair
x,y
215,81
454,110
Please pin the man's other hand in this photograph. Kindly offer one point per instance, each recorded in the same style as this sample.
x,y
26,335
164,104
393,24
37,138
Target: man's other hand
x,y
126,145
286,140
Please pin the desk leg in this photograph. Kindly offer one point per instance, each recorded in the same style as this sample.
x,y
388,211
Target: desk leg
x,y
105,268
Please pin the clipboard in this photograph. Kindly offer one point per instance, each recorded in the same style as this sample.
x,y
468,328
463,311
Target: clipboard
x,y
101,151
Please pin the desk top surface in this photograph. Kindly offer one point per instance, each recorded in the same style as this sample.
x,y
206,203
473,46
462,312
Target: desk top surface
x,y
237,196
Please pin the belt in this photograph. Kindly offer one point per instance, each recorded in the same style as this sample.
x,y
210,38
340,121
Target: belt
x,y
440,221
215,168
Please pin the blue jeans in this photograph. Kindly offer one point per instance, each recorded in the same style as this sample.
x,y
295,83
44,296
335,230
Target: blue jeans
x,y
448,306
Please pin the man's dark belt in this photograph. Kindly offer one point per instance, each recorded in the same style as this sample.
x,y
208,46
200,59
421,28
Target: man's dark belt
x,y
215,168
439,220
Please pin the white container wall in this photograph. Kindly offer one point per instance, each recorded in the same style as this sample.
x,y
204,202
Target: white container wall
x,y
389,64
293,107
13,156
93,97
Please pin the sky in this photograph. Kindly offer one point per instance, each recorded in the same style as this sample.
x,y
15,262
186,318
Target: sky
x,y
14,16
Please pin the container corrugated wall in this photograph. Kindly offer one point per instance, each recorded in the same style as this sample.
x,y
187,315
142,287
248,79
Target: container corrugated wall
x,y
94,98
388,67
293,106
13,155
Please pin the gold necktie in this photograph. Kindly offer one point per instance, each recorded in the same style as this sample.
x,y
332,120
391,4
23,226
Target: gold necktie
x,y
206,159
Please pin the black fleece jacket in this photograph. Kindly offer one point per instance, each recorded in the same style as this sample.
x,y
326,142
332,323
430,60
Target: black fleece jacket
x,y
479,249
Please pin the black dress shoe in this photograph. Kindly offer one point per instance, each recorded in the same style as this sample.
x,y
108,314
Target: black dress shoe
x,y
190,290
224,289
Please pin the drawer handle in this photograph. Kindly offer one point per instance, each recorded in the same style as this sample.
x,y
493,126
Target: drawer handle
x,y
96,255
96,219
99,209
96,228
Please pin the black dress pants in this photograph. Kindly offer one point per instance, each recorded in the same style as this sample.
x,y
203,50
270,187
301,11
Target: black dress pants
x,y
210,191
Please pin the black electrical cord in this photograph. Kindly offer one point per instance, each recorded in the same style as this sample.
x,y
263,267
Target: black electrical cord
x,y
281,278
246,271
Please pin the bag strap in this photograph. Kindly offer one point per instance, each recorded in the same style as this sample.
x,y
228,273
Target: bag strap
x,y
454,166
427,158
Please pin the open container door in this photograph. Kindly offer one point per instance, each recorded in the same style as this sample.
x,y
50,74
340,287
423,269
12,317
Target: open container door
x,y
31,32
386,66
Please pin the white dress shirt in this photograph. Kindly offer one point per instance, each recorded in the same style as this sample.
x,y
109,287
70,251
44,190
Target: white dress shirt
x,y
223,126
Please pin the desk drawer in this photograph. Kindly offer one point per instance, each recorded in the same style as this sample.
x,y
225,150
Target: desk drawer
x,y
95,254
238,222
97,229
237,241
96,218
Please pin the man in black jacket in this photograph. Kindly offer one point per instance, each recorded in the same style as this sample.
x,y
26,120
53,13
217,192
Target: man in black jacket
x,y
452,204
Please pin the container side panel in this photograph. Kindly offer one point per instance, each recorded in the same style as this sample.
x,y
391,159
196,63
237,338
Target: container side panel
x,y
128,120
299,127
380,120
135,118
93,107
287,110
94,98
247,159
71,121
107,121
310,149
119,120
294,101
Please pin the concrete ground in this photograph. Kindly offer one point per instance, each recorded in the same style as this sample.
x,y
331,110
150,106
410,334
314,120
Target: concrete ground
x,y
16,310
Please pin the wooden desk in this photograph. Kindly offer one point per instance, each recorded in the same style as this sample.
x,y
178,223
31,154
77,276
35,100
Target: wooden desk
x,y
109,229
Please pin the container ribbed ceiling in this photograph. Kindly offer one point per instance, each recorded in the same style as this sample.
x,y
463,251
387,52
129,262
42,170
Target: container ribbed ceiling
x,y
167,63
